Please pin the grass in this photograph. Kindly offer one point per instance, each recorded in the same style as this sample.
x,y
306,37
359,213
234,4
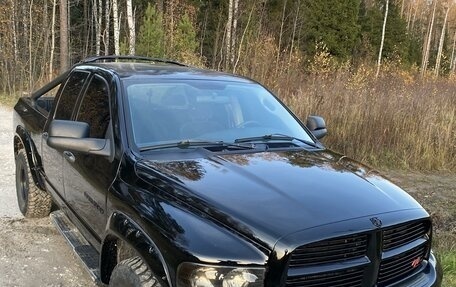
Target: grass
x,y
389,122
8,100
445,248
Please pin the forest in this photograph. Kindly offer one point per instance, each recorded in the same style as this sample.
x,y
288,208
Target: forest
x,y
381,72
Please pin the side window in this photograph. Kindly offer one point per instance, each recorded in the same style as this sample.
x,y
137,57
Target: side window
x,y
69,95
94,108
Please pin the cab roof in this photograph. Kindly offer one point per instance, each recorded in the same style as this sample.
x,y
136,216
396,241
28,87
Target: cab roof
x,y
141,67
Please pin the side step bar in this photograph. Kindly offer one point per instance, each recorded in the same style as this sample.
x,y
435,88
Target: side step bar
x,y
81,247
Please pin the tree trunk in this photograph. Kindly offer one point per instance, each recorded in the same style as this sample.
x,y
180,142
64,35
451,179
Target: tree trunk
x,y
279,50
427,47
402,8
234,31
107,27
442,39
380,52
115,20
97,26
64,63
16,52
293,35
242,39
51,60
452,59
30,62
229,25
131,28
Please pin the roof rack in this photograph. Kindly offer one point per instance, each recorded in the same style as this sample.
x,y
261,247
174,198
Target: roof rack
x,y
113,58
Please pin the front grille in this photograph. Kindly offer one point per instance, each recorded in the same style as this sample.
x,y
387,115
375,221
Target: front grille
x,y
350,261
403,234
329,251
345,278
399,266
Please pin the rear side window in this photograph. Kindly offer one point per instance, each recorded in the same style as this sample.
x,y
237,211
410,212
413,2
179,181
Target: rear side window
x,y
94,108
70,93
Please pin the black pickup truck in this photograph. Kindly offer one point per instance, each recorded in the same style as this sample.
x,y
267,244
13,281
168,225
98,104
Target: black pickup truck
x,y
159,174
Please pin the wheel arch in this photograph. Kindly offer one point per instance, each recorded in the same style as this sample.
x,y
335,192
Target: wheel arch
x,y
122,228
21,140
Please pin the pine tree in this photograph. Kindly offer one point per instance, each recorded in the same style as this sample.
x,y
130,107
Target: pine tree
x,y
185,43
151,34
333,23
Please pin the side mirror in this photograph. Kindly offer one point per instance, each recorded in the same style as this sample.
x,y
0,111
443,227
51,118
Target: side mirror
x,y
317,126
74,136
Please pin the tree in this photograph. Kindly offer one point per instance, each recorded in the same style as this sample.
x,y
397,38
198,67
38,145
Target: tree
x,y
51,60
427,39
185,43
64,61
379,61
151,34
115,20
131,28
442,38
332,22
396,41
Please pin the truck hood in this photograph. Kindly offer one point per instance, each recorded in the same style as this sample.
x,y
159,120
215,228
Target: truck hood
x,y
269,195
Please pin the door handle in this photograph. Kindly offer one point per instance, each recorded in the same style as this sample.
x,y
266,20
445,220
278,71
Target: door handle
x,y
69,156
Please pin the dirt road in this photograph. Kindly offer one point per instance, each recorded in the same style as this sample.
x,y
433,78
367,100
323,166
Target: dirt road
x,y
33,253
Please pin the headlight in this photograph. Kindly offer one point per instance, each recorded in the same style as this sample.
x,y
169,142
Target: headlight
x,y
196,275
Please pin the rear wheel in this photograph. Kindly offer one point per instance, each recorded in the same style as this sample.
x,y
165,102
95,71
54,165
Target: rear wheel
x,y
33,202
133,272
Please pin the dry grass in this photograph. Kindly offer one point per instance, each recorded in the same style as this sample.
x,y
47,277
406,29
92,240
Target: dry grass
x,y
391,121
396,121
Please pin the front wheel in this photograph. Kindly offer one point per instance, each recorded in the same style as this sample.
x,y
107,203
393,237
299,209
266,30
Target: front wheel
x,y
33,202
133,272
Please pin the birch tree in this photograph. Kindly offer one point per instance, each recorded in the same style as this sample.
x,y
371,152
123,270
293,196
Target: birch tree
x,y
379,61
229,25
115,20
97,19
131,28
107,27
428,39
51,60
442,39
64,63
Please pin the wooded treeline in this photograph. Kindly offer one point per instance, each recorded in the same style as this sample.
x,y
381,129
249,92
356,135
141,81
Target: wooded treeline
x,y
264,39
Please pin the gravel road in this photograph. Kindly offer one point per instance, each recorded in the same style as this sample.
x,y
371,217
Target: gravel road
x,y
32,252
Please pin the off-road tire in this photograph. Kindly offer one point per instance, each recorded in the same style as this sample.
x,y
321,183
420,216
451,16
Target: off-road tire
x,y
33,202
133,272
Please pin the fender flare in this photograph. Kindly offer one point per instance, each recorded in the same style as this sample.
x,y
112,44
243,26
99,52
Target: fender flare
x,y
22,139
121,226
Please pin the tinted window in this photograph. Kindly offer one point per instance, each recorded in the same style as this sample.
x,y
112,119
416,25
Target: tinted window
x,y
94,108
177,110
69,95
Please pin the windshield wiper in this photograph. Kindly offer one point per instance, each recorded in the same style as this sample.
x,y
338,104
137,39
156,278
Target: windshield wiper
x,y
275,137
196,143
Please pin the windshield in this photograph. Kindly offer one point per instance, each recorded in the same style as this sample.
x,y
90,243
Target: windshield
x,y
168,111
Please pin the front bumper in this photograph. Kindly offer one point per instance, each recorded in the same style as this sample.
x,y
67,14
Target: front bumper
x,y
430,276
